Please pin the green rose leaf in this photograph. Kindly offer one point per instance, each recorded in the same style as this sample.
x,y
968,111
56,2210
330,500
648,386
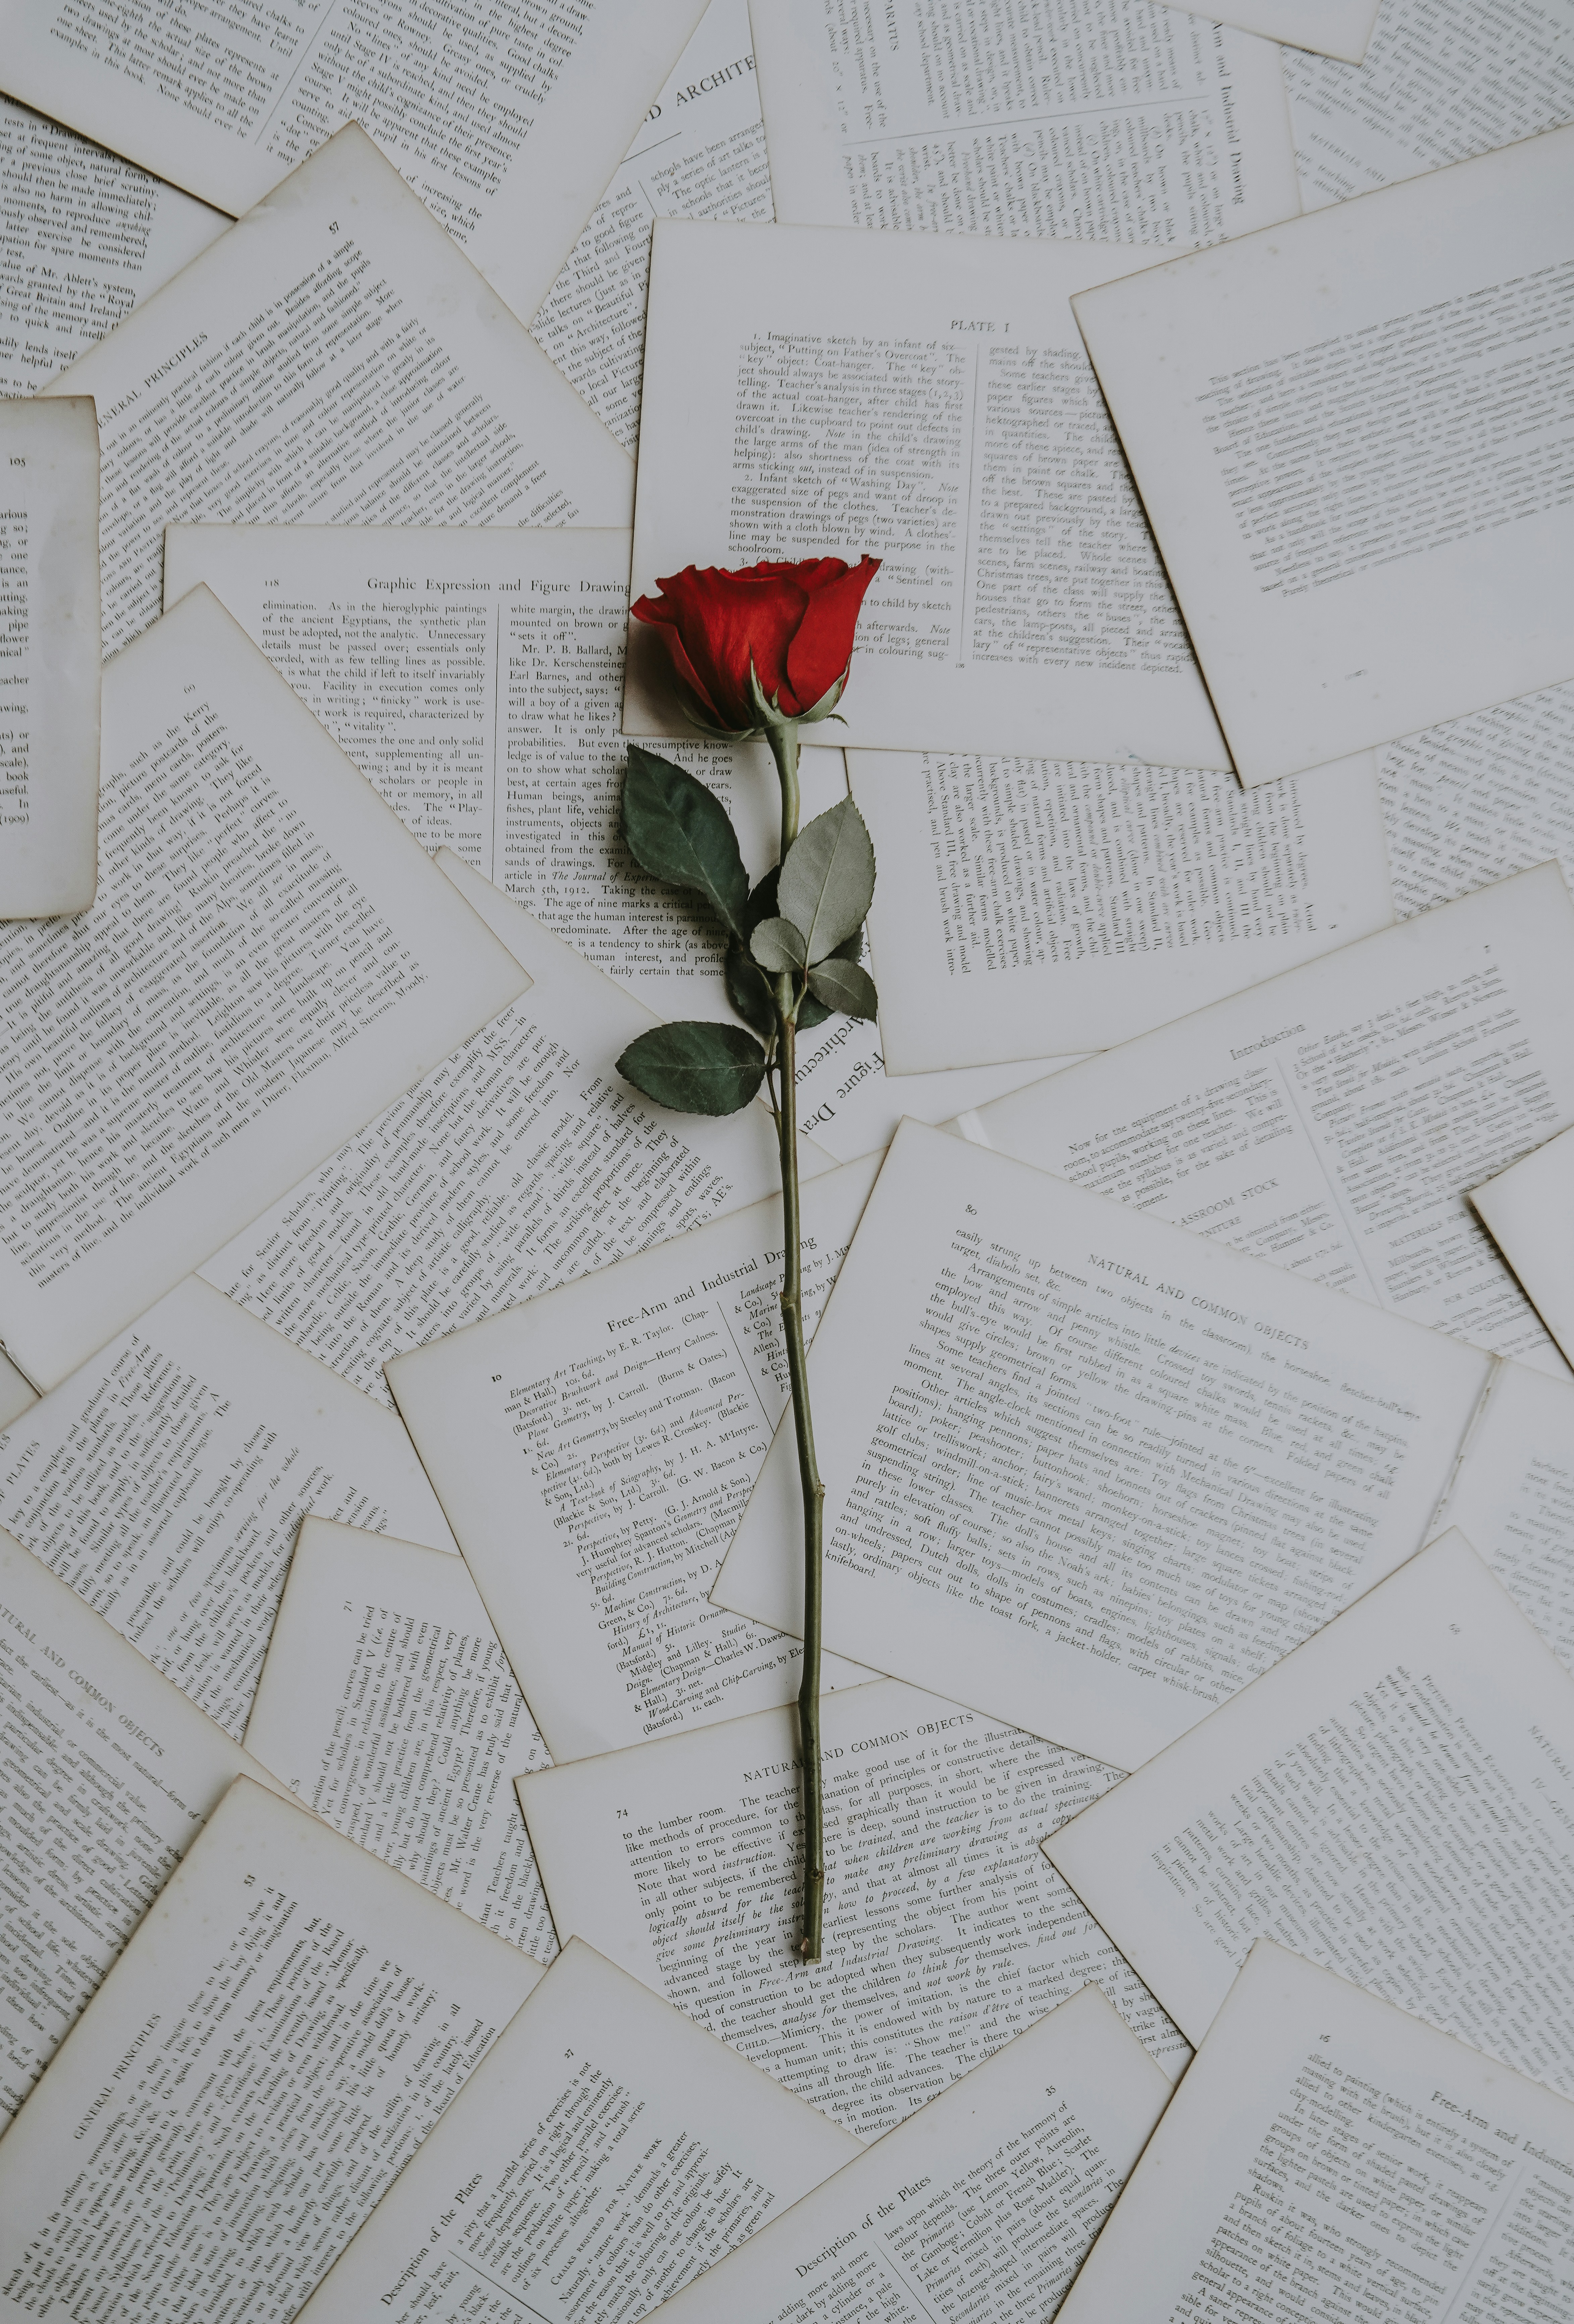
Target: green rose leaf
x,y
696,1068
842,986
680,833
813,1012
826,883
747,990
778,948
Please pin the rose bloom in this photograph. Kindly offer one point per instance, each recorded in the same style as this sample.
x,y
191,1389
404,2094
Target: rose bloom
x,y
794,622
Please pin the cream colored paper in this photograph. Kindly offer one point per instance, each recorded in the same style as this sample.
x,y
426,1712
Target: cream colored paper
x,y
1085,1471
1349,436
988,2197
87,237
1334,1118
270,959
1026,899
48,658
699,153
106,1776
506,126
1325,2145
335,358
606,2153
595,1448
1020,606
1334,28
1513,1497
500,738
1393,1801
1026,125
1435,84
520,1161
947,1929
281,2034
167,1478
1529,1212
1479,798
386,1706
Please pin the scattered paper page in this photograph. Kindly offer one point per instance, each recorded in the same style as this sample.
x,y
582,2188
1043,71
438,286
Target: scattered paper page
x,y
476,677
1435,85
280,2034
1393,1801
681,1861
166,1479
983,2204
1513,1497
333,358
1350,437
594,1450
105,1777
1479,798
1334,28
1335,1119
506,126
699,152
1529,1212
270,957
520,1161
387,1706
605,2153
15,1394
87,237
923,398
1085,1471
1026,901
1027,123
1326,2151
48,658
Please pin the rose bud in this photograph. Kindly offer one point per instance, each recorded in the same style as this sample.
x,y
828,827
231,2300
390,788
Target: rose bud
x,y
758,647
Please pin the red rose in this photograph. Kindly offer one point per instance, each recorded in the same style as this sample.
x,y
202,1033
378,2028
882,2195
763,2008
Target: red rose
x,y
794,624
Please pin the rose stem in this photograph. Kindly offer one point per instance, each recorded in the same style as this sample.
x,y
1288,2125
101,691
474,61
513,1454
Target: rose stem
x,y
783,747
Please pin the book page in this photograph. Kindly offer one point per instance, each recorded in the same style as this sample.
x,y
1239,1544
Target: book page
x,y
699,153
1003,118
1396,1801
1083,1470
1335,1119
1350,440
948,1930
1325,2147
984,2203
334,359
1529,1212
1479,798
1436,85
48,658
521,1160
15,1394
279,2037
107,1775
605,2153
1334,28
85,238
500,737
1021,899
1020,605
508,127
1513,1497
270,957
166,1481
386,1704
594,1450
